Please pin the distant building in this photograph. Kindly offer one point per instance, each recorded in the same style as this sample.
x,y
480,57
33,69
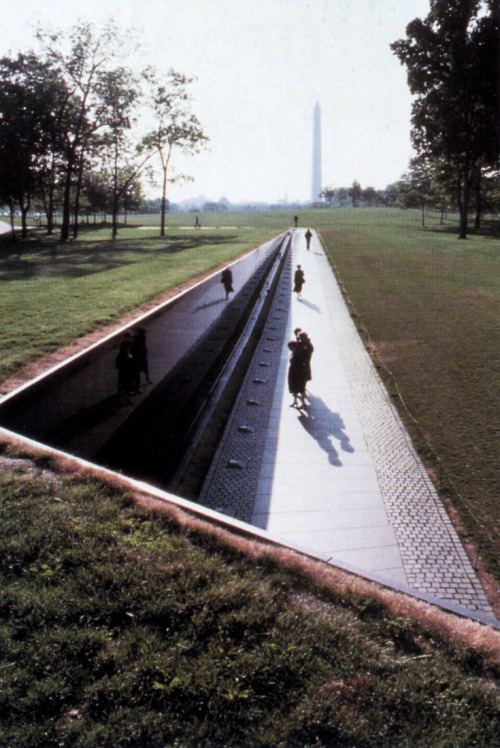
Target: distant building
x,y
316,155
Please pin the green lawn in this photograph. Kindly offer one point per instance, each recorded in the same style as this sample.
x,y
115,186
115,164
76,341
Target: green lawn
x,y
123,628
120,628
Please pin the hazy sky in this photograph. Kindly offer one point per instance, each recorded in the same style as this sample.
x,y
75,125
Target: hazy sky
x,y
261,65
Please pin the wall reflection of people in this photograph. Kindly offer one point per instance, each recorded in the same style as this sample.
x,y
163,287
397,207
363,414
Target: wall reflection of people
x,y
227,281
140,356
124,362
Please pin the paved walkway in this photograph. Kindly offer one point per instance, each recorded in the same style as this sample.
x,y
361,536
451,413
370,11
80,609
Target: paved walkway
x,y
342,478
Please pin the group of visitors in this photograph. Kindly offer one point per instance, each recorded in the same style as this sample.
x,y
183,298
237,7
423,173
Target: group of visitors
x,y
131,362
299,371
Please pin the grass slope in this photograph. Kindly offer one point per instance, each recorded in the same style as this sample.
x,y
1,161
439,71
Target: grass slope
x,y
120,628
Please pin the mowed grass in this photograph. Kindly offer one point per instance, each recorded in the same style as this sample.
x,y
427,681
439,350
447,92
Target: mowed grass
x,y
52,293
124,627
430,304
121,627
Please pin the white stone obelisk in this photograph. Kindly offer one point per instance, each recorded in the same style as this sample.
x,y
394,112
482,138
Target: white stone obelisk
x,y
316,160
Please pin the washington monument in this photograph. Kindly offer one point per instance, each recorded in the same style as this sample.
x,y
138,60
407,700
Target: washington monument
x,y
316,161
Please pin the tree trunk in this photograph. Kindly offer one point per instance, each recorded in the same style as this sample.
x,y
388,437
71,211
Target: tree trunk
x,y
77,196
163,202
24,218
50,213
66,214
114,221
479,206
463,205
12,221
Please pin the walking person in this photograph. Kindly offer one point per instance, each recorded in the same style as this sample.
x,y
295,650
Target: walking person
x,y
308,238
197,223
227,281
298,281
296,220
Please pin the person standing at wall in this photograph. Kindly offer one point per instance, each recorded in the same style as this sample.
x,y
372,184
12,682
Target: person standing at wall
x,y
124,362
140,356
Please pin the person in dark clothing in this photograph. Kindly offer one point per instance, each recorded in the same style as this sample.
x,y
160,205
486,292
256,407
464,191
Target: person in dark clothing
x,y
299,371
296,371
308,238
298,280
197,223
124,362
307,352
227,281
296,220
140,356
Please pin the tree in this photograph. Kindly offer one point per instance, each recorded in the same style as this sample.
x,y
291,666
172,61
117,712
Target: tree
x,y
453,69
118,92
328,194
174,126
80,57
355,193
415,188
29,91
369,195
96,193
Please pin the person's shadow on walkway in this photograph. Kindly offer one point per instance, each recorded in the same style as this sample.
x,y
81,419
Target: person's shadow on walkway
x,y
324,426
310,305
207,305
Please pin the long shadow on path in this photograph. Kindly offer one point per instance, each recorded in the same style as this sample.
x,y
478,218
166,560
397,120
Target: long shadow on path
x,y
325,426
310,305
